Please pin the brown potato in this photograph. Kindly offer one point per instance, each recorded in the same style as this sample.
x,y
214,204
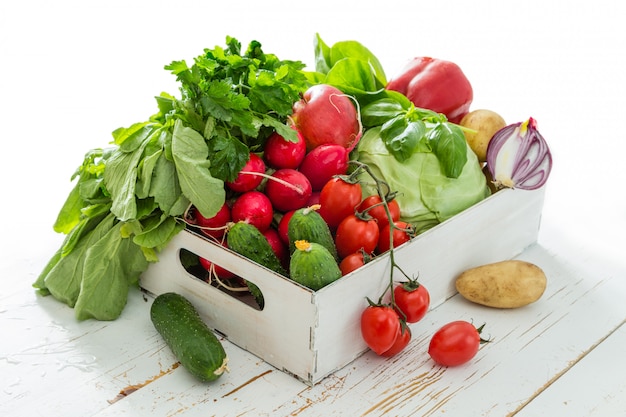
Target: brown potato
x,y
486,123
506,284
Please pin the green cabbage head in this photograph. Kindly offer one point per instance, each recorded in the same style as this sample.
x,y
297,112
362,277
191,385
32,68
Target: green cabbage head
x,y
425,195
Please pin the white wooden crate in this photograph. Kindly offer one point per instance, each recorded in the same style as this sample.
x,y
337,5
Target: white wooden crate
x,y
312,334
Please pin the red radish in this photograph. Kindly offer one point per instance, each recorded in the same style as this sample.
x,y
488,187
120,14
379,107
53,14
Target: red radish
x,y
288,189
246,181
283,227
213,268
323,163
326,115
255,208
216,225
281,153
278,246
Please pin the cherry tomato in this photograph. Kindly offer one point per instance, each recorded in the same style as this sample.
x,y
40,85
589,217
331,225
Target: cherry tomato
x,y
401,233
352,262
455,343
379,327
412,301
403,339
377,209
338,199
354,234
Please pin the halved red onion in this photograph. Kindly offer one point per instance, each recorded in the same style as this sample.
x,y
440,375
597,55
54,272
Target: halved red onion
x,y
519,157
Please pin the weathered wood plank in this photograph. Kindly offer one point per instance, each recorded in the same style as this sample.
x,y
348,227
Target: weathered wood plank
x,y
594,386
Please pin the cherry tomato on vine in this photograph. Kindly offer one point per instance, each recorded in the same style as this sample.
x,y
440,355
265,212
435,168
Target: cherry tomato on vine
x,y
455,343
379,327
412,299
353,261
377,209
403,232
403,339
338,199
354,234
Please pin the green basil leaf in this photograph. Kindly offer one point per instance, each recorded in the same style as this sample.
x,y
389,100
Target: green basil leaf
x,y
450,147
380,111
401,136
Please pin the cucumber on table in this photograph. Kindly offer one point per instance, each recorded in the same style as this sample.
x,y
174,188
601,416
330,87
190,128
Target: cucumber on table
x,y
196,347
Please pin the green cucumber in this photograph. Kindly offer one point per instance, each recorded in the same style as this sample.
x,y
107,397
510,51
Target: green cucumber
x,y
307,224
247,240
312,265
196,347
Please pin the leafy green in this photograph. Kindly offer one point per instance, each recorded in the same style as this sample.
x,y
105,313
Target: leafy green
x,y
350,67
64,279
111,266
405,129
190,152
243,96
127,200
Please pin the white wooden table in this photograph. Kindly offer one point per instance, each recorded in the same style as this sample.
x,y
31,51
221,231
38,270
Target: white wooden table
x,y
71,73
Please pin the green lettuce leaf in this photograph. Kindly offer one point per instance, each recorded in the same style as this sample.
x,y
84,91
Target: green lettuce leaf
x,y
190,153
111,266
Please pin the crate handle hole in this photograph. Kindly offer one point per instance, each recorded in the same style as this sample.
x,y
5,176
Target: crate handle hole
x,y
222,279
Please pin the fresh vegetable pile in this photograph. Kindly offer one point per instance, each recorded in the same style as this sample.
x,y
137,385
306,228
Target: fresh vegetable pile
x,y
309,173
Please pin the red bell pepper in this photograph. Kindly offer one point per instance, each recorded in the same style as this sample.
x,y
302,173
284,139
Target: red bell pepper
x,y
436,85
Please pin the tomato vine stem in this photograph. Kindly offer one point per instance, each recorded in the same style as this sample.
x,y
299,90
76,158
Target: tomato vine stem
x,y
385,197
